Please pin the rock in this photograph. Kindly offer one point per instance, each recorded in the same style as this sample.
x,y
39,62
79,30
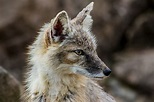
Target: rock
x,y
38,12
136,69
112,19
141,33
9,11
14,40
123,93
9,87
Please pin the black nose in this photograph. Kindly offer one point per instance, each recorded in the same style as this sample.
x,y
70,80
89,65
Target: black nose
x,y
106,71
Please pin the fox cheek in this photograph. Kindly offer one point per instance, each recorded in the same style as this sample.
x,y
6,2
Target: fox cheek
x,y
69,58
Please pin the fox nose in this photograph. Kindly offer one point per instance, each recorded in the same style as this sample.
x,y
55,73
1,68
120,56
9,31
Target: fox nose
x,y
106,71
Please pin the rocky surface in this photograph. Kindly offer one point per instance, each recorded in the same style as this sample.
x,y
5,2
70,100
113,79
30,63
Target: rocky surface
x,y
114,17
136,69
124,29
9,87
9,11
141,34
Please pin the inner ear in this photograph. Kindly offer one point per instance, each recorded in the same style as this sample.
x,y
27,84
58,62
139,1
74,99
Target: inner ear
x,y
60,27
58,31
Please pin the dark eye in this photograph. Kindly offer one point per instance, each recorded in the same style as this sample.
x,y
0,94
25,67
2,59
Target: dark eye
x,y
79,52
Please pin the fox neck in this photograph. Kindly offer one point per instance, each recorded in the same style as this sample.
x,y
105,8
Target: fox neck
x,y
59,86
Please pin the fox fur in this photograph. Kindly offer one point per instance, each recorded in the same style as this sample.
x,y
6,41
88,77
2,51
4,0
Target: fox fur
x,y
63,62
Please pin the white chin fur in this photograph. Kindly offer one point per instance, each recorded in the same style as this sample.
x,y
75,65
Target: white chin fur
x,y
82,71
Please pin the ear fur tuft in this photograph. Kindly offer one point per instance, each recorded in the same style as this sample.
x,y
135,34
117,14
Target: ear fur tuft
x,y
84,18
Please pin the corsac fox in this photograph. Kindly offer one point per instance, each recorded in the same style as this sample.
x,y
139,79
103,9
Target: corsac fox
x,y
63,62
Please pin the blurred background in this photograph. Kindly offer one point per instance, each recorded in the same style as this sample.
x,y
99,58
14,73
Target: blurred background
x,y
124,30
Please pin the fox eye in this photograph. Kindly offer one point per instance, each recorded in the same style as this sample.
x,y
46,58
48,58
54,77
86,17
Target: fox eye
x,y
79,52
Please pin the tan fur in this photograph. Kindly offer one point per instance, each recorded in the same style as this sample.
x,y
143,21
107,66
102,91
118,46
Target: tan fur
x,y
62,61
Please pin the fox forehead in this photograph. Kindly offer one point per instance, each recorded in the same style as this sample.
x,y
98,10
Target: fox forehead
x,y
83,39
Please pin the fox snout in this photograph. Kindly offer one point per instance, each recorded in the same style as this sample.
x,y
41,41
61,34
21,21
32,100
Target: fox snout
x,y
106,71
96,67
101,65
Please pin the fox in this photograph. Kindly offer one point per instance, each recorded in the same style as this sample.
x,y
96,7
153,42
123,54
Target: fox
x,y
63,63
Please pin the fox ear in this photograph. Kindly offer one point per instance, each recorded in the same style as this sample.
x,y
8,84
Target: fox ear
x,y
84,18
59,28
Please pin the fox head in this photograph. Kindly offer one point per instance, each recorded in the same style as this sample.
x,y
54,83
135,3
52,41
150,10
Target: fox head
x,y
68,47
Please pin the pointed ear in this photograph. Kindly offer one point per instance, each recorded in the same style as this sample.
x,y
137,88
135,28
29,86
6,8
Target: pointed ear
x,y
84,18
59,28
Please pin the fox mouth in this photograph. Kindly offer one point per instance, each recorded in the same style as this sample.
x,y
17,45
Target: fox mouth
x,y
89,72
97,75
95,72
